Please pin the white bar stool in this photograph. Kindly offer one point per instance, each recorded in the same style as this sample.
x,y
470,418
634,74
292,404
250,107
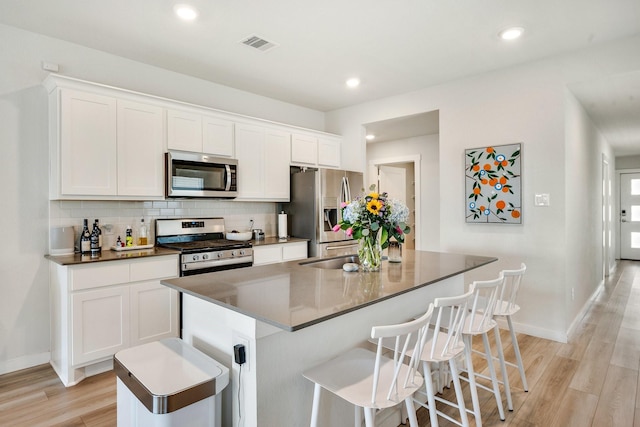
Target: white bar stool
x,y
370,380
479,322
506,307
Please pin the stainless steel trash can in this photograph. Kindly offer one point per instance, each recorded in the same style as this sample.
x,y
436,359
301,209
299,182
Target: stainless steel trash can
x,y
168,383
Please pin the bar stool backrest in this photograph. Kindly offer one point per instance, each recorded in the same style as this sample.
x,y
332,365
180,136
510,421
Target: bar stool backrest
x,y
506,302
408,338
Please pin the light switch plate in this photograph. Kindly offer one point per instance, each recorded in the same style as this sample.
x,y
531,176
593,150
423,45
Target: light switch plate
x,y
542,199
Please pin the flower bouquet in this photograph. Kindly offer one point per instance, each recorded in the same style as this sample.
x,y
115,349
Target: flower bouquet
x,y
373,219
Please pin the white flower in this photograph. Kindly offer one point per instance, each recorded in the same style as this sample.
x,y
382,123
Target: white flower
x,y
399,212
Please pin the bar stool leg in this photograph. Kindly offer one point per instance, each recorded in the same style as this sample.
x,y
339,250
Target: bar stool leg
x,y
516,347
494,377
431,401
503,368
472,379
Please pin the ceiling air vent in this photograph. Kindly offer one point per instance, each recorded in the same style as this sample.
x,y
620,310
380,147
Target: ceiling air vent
x,y
258,43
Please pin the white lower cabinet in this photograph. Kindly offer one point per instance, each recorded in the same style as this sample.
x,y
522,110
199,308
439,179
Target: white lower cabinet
x,y
101,308
280,252
99,323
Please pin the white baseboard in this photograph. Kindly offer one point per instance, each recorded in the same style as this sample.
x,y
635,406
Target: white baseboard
x,y
24,362
523,328
584,309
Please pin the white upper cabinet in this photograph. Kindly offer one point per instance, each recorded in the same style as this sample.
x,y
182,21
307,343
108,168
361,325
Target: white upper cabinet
x,y
304,149
329,152
140,149
312,150
250,149
217,136
87,149
104,147
200,133
263,163
277,161
184,131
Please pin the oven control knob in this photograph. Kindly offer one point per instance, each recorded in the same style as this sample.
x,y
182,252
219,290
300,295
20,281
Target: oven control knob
x,y
241,252
196,257
205,256
233,253
220,254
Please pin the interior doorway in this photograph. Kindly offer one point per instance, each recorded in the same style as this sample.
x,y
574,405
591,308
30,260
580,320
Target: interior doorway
x,y
393,180
400,177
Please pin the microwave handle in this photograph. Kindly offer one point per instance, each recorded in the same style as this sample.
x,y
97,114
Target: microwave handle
x,y
228,180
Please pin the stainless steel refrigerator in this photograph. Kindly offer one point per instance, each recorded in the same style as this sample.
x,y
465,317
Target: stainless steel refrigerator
x,y
316,196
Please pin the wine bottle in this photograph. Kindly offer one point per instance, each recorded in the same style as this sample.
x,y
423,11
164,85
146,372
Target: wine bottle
x,y
142,234
85,239
97,227
94,240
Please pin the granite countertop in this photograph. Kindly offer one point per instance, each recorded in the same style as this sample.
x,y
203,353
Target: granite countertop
x,y
109,255
292,295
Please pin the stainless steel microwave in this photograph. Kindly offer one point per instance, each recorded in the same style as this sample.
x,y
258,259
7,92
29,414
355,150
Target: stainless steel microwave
x,y
200,175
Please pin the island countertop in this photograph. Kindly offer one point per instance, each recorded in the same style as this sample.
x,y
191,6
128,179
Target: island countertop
x,y
292,295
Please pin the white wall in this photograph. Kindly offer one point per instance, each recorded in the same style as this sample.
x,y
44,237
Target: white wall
x,y
628,162
24,297
521,104
584,150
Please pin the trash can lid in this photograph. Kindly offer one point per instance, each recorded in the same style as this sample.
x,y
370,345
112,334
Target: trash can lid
x,y
169,374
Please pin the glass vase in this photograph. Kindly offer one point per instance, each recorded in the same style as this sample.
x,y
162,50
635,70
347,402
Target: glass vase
x,y
370,253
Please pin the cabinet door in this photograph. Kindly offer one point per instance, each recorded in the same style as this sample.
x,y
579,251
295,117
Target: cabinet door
x,y
184,131
250,150
140,150
154,312
87,144
329,152
267,254
217,136
304,149
100,324
291,251
276,164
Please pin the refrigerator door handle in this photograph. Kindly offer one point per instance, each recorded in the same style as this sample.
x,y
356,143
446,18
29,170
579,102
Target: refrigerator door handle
x,y
347,189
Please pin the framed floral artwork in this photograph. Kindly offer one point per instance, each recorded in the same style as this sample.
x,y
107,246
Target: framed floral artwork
x,y
493,184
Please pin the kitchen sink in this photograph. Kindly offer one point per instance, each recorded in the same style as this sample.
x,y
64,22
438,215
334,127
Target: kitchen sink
x,y
332,263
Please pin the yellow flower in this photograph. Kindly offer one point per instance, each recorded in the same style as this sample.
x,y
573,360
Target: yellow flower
x,y
374,206
374,195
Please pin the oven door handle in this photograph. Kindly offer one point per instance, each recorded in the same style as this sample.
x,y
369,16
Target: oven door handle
x,y
216,262
228,183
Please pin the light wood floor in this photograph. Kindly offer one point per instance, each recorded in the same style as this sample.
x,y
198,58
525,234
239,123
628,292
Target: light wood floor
x,y
591,381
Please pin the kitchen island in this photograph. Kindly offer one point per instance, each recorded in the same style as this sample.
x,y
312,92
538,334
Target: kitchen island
x,y
294,315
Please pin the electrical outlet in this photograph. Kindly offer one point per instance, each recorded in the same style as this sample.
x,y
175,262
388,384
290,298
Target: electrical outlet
x,y
239,339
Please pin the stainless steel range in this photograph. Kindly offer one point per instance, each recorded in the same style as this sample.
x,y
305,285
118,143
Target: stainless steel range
x,y
202,244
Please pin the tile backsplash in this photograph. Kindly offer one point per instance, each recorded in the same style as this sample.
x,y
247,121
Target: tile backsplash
x,y
114,216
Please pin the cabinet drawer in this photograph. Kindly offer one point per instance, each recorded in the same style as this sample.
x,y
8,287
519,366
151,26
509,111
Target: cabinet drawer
x,y
94,276
293,251
154,269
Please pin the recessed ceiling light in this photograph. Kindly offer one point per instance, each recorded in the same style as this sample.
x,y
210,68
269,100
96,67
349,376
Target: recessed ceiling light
x,y
370,137
511,33
353,82
186,12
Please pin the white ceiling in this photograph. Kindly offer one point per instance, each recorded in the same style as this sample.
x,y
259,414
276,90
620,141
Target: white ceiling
x,y
393,46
